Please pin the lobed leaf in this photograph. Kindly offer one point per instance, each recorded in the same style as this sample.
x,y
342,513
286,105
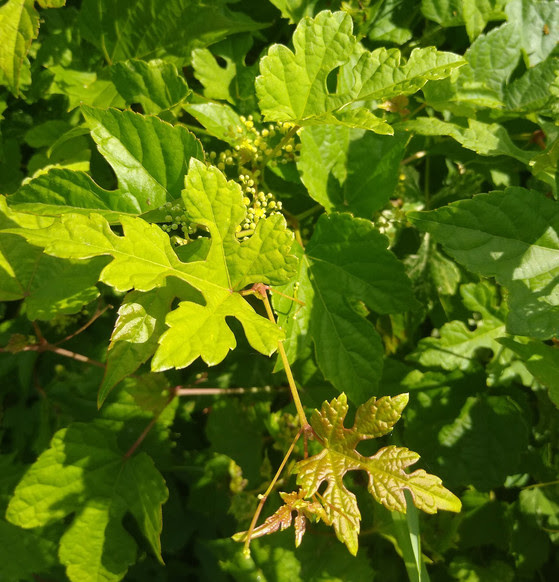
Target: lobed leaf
x,y
149,157
143,259
83,472
388,479
283,517
62,191
293,86
230,79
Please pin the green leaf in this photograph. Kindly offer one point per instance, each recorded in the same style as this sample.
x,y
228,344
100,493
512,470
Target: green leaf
x,y
474,14
446,12
149,157
294,316
458,346
407,532
143,259
19,25
62,191
140,323
491,60
242,442
293,86
233,82
296,9
24,553
530,92
487,440
148,29
220,120
486,139
350,169
536,23
156,85
388,479
542,504
348,263
509,235
468,440
84,472
48,285
393,22
85,87
541,360
477,13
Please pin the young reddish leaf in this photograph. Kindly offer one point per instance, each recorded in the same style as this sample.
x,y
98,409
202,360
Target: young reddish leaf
x,y
388,479
283,517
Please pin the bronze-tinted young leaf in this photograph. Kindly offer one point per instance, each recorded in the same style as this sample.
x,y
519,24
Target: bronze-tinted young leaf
x,y
388,479
283,517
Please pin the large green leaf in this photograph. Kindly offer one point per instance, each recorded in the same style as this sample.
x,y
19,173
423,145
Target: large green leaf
x,y
84,473
19,25
155,85
60,191
387,478
348,265
512,236
150,157
150,29
143,259
293,85
349,169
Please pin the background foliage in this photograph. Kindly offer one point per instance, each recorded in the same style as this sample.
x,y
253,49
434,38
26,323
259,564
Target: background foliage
x,y
391,165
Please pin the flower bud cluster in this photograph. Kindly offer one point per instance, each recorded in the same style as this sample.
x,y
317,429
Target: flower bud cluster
x,y
176,219
254,149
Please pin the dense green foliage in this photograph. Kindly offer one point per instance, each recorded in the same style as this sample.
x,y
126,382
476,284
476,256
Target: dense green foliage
x,y
200,199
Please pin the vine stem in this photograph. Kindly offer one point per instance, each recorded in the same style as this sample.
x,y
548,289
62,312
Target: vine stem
x,y
265,495
146,430
180,391
305,426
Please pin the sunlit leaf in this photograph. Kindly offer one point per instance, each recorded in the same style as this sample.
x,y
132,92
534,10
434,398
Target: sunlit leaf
x,y
293,85
388,479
